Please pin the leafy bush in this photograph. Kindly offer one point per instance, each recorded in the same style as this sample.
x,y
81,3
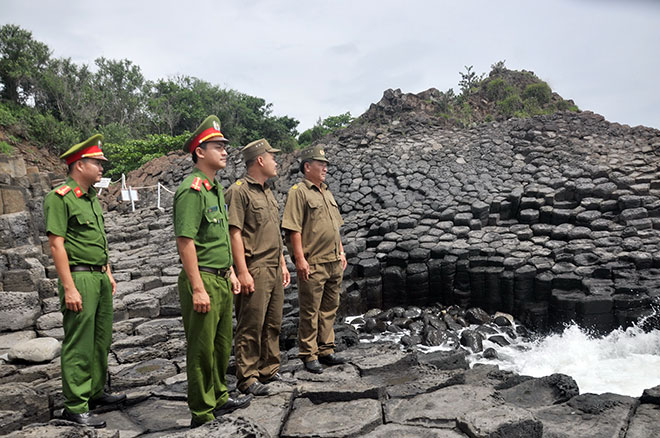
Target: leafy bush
x,y
510,105
498,89
540,92
7,118
130,155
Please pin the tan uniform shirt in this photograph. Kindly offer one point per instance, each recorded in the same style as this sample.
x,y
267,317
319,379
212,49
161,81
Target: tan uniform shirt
x,y
315,214
253,209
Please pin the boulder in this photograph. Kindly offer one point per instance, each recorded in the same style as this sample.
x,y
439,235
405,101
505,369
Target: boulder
x,y
36,350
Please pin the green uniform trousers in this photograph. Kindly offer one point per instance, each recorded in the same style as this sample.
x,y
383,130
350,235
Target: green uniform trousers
x,y
259,319
87,339
319,299
208,337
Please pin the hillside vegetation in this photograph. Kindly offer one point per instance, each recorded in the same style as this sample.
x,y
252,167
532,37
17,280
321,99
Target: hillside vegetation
x,y
54,103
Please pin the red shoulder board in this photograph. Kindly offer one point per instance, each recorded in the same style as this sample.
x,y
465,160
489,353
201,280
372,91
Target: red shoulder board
x,y
78,192
207,184
63,190
197,184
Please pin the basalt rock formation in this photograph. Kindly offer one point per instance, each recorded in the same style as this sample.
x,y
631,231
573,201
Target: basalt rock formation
x,y
549,219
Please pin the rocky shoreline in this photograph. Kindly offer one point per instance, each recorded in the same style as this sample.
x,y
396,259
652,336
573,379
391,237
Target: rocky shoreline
x,y
548,219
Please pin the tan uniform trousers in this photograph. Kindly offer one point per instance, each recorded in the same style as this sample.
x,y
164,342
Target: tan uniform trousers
x,y
319,299
259,319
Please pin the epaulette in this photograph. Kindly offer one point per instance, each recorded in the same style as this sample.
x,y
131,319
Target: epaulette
x,y
78,191
239,182
207,184
295,186
63,190
197,184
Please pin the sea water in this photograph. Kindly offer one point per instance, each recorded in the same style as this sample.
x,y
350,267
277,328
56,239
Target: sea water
x,y
626,361
623,362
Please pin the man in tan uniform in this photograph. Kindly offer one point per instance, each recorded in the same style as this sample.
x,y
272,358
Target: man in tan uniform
x,y
254,227
312,221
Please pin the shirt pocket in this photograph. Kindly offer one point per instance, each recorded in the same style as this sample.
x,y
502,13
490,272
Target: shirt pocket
x,y
316,210
215,220
260,210
85,220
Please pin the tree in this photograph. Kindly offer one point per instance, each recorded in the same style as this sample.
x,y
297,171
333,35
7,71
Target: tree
x,y
469,80
21,61
324,127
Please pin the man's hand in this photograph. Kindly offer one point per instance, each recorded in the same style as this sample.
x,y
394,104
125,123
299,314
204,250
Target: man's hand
x,y
235,284
73,300
201,301
113,283
286,276
302,268
247,282
344,263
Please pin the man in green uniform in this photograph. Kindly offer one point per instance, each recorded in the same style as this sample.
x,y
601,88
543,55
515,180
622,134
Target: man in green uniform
x,y
207,280
312,221
254,226
76,235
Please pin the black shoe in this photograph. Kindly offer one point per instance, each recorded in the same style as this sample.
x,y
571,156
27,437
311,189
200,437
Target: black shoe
x,y
277,377
194,423
313,366
85,419
256,389
331,359
232,404
106,399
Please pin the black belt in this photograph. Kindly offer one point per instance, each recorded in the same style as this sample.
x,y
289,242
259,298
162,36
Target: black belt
x,y
221,272
87,268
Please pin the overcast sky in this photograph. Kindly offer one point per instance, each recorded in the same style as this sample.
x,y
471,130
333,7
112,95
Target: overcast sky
x,y
313,59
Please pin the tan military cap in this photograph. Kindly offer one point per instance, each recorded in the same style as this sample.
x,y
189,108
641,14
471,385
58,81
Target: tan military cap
x,y
256,148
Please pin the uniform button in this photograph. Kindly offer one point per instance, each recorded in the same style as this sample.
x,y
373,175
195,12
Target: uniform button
x,y
215,220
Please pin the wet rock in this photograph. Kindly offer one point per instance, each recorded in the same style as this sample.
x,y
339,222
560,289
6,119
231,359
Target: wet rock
x,y
501,421
546,391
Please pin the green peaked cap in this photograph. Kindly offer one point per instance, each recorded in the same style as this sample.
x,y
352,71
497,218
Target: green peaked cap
x,y
90,148
208,130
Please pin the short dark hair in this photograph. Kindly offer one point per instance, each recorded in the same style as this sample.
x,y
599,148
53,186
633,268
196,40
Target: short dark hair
x,y
249,162
194,152
302,166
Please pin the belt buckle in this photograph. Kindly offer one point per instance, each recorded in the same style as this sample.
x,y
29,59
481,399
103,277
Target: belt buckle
x,y
104,269
227,274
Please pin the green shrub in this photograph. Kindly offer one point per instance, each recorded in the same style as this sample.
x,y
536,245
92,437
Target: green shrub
x,y
540,92
498,89
130,155
565,105
6,116
6,148
510,105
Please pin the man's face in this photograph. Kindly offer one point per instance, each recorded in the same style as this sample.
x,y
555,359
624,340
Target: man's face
x,y
215,155
269,164
317,171
91,169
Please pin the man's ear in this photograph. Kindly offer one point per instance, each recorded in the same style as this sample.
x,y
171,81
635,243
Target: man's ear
x,y
200,152
260,160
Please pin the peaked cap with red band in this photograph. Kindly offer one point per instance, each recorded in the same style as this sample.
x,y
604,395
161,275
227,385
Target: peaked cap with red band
x,y
208,130
90,148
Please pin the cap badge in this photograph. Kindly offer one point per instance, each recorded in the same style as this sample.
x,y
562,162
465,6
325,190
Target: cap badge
x,y
321,152
216,125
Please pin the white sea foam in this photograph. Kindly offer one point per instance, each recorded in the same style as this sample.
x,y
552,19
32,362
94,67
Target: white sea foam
x,y
623,362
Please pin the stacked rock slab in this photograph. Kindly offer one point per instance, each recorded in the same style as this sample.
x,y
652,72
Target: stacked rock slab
x,y
552,218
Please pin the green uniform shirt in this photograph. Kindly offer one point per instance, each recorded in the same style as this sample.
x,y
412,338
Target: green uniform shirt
x,y
315,214
77,216
200,214
253,209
